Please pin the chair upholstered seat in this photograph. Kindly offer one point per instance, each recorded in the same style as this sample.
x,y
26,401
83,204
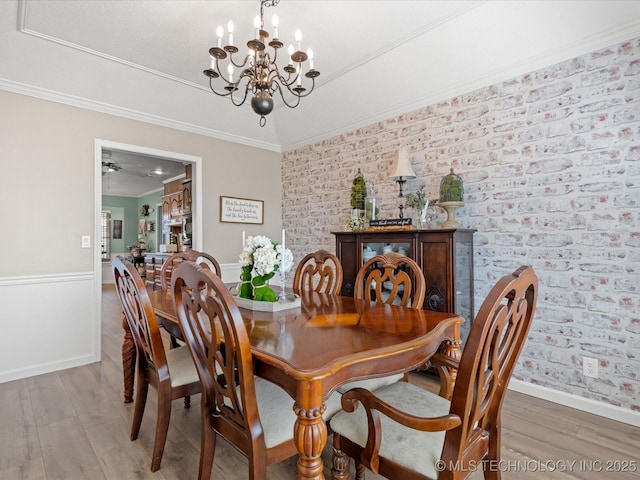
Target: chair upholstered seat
x,y
371,384
181,367
400,443
277,420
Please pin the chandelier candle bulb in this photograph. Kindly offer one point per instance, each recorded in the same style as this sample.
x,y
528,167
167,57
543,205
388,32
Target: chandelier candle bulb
x,y
283,239
274,22
256,24
230,28
219,34
310,56
244,242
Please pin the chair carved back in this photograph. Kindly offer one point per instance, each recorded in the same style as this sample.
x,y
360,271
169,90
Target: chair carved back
x,y
140,315
489,357
189,255
319,271
472,425
217,337
391,278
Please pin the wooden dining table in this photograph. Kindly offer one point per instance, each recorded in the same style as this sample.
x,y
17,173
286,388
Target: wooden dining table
x,y
327,341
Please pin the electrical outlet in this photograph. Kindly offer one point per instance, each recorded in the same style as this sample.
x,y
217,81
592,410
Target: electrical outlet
x,y
86,241
590,367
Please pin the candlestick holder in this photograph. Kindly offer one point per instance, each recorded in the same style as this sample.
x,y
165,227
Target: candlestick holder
x,y
283,296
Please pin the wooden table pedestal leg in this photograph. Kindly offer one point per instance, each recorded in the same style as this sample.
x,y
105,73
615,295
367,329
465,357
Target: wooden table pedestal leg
x,y
310,436
128,361
448,374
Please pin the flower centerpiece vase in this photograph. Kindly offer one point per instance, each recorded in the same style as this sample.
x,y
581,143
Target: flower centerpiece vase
x,y
260,260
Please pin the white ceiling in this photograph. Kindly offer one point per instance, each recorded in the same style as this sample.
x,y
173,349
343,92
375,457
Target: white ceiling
x,y
135,174
144,59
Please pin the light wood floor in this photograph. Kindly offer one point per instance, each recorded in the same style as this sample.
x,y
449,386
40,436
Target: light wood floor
x,y
73,425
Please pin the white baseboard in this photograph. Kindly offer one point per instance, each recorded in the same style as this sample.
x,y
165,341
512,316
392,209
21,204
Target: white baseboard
x,y
606,410
33,370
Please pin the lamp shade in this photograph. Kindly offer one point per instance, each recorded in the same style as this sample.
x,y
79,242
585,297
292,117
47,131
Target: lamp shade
x,y
402,170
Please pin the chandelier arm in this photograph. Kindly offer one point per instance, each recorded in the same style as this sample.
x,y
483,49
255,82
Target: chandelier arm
x,y
246,92
284,100
238,65
287,82
287,85
226,94
226,80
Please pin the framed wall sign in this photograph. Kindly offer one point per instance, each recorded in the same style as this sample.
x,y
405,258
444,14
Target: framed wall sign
x,y
241,210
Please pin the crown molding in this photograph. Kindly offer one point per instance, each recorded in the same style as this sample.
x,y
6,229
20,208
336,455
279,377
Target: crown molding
x,y
52,96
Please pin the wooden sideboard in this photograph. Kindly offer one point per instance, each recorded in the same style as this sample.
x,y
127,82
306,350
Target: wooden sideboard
x,y
445,256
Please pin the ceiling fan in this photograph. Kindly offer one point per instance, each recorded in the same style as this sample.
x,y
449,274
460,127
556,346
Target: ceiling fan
x,y
110,167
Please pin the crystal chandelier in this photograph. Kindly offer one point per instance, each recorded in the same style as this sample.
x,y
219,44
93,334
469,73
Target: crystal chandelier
x,y
259,73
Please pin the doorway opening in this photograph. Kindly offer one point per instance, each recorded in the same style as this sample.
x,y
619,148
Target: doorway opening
x,y
103,269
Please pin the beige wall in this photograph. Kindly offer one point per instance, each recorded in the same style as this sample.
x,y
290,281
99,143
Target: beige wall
x,y
48,171
50,288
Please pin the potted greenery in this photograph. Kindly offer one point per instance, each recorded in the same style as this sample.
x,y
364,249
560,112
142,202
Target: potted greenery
x,y
419,202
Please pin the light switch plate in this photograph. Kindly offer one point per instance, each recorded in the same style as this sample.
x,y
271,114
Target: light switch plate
x,y
86,241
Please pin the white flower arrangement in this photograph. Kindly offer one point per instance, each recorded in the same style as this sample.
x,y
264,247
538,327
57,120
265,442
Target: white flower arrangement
x,y
260,260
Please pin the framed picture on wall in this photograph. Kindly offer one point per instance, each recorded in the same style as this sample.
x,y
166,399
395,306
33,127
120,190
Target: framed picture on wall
x,y
117,229
241,210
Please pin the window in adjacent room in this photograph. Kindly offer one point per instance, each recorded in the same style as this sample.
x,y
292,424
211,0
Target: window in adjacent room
x,y
105,236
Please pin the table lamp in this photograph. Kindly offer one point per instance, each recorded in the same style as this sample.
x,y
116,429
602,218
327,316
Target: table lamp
x,y
401,173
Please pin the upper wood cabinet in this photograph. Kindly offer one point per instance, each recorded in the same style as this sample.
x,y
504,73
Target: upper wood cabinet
x,y
178,196
166,209
186,197
175,201
444,255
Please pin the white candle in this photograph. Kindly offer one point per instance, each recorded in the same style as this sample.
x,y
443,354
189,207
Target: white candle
x,y
243,240
230,29
283,241
220,33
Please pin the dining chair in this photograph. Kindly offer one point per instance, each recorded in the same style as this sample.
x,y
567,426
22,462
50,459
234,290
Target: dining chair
x,y
171,372
391,278
319,271
394,279
403,431
191,255
172,262
253,414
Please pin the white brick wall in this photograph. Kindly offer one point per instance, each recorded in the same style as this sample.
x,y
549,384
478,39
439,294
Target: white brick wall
x,y
551,165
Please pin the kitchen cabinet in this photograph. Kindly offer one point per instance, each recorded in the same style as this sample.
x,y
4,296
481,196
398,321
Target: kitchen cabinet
x,y
186,197
444,255
175,201
166,209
